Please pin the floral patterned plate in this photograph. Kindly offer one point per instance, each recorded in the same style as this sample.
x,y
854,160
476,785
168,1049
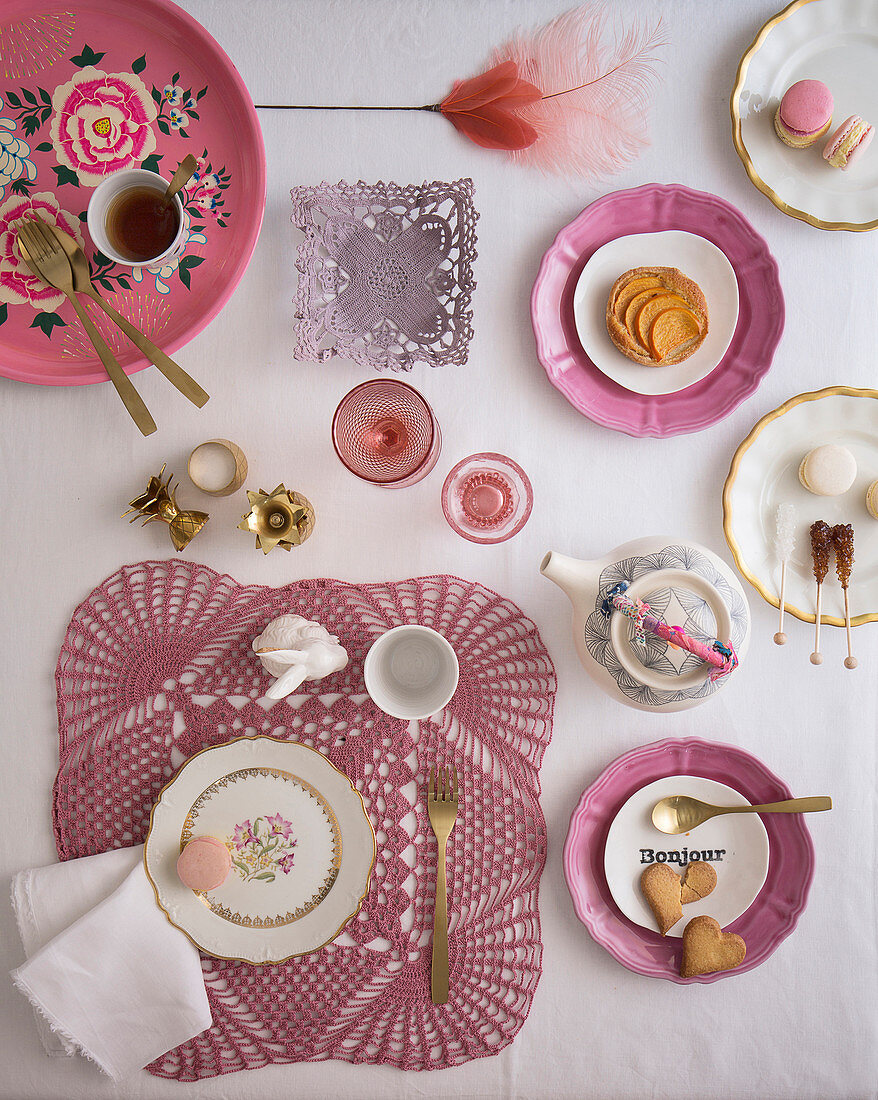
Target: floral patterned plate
x,y
86,90
302,849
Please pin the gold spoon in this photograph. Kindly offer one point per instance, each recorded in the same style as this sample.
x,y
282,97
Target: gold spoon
x,y
82,284
679,813
51,266
181,177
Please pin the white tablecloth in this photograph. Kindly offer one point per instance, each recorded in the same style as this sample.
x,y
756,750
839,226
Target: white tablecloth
x,y
803,1025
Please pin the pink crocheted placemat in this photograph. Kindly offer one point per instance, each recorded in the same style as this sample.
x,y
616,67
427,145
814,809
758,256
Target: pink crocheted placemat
x,y
156,665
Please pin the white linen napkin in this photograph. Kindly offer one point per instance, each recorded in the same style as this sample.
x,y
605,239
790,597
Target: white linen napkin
x,y
105,970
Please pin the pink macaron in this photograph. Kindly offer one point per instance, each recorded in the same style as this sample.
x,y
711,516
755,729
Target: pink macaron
x,y
804,114
849,142
204,863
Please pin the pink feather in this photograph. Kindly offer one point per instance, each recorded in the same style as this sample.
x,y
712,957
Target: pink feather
x,y
485,108
592,119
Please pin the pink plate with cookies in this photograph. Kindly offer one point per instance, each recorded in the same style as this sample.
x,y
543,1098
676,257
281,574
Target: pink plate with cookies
x,y
764,925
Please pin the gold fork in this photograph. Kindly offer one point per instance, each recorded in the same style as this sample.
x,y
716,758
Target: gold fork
x,y
82,284
442,808
50,264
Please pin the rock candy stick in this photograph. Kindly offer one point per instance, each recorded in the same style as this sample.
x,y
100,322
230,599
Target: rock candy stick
x,y
843,542
821,549
784,543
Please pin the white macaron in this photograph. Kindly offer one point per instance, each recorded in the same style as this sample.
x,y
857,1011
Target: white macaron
x,y
828,471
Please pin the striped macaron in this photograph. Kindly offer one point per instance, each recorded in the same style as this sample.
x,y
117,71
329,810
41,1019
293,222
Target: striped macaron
x,y
849,142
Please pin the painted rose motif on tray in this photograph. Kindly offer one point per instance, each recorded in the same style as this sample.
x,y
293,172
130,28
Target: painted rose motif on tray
x,y
14,155
17,283
102,122
261,849
99,122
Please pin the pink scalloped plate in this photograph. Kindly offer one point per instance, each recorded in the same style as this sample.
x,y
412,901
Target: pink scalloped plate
x,y
651,209
779,904
93,86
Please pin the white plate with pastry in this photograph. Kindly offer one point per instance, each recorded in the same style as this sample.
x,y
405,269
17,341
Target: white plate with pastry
x,y
765,473
835,41
699,260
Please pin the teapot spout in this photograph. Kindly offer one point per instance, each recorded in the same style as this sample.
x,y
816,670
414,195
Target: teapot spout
x,y
566,572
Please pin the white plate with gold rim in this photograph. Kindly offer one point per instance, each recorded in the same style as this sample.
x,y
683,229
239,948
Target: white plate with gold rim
x,y
301,844
697,258
736,846
765,473
835,41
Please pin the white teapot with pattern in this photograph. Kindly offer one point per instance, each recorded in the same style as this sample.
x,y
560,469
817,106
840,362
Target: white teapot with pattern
x,y
683,584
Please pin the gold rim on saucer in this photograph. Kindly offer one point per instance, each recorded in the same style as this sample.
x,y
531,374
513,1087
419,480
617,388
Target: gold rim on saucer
x,y
770,597
208,950
755,178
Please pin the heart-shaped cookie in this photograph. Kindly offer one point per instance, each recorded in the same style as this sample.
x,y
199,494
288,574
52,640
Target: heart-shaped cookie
x,y
661,888
706,948
699,879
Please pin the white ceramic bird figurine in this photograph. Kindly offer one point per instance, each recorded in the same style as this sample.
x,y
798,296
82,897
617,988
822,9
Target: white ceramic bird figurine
x,y
294,650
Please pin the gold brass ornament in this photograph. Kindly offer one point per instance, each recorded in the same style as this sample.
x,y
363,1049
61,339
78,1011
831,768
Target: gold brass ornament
x,y
279,518
158,503
207,460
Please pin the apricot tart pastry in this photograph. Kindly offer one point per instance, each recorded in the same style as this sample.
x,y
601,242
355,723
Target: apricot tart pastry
x,y
656,315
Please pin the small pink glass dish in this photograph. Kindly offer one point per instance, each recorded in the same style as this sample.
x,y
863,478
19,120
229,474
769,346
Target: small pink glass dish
x,y
778,906
487,498
385,432
649,209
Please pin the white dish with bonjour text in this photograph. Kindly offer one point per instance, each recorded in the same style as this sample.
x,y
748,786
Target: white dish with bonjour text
x,y
736,845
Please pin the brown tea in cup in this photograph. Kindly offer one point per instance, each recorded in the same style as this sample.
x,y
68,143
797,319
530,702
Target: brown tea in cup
x,y
141,224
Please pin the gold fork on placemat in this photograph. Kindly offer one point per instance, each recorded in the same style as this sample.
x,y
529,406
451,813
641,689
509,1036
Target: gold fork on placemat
x,y
442,808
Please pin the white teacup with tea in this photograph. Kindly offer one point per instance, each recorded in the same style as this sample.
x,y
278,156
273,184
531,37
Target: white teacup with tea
x,y
130,220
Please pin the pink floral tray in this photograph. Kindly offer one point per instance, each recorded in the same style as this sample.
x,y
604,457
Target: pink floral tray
x,y
778,906
93,87
651,209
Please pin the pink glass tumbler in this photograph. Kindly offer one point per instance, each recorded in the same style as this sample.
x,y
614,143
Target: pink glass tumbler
x,y
386,433
487,498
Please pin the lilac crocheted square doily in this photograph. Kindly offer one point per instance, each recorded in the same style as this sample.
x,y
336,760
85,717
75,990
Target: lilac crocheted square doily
x,y
385,272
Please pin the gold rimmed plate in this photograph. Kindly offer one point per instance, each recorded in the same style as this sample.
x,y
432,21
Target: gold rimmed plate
x,y
764,474
835,41
301,846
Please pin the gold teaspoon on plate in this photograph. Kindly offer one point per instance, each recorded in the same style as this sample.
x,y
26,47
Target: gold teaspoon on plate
x,y
83,285
679,813
182,176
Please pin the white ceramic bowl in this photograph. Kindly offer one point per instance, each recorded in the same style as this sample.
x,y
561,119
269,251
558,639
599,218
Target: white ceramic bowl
x,y
697,258
100,203
411,672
